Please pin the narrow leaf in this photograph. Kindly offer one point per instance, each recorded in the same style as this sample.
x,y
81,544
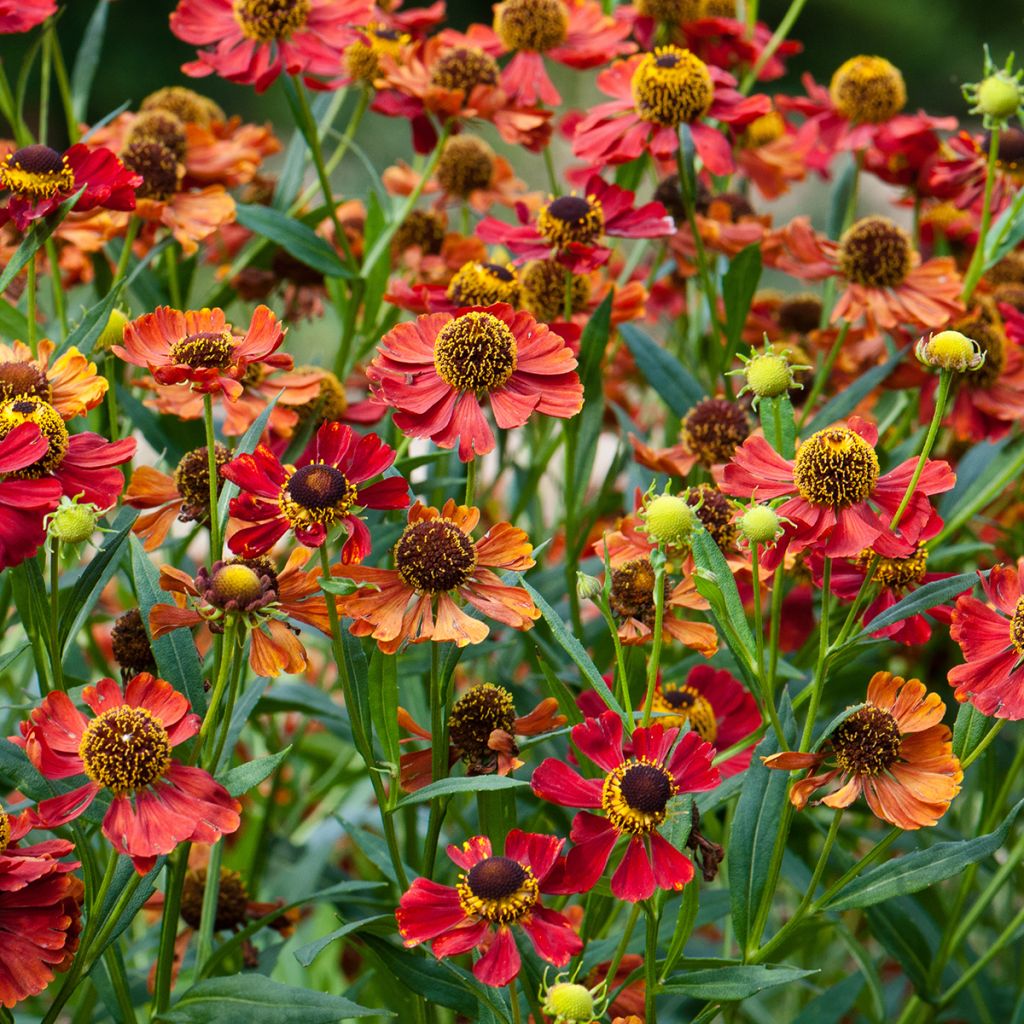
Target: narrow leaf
x,y
728,980
931,594
296,238
674,384
241,779
463,784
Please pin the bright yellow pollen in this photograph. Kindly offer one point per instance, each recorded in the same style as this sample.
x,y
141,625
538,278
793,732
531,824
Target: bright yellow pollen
x,y
836,468
5,830
498,889
767,128
868,90
362,58
681,704
536,25
635,796
672,86
434,556
237,583
23,409
1017,628
475,352
483,284
266,21
950,350
125,749
896,572
36,172
571,219
205,350
316,493
868,742
876,253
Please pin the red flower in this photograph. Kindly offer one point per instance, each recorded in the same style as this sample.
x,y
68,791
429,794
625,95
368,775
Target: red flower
x,y
717,707
493,893
126,748
40,179
634,795
322,491
961,177
837,500
40,911
432,371
199,347
576,33
991,637
572,226
24,504
652,95
905,147
23,15
252,42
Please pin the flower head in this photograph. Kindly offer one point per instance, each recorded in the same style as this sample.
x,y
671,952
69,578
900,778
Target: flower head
x,y
126,749
493,894
893,750
634,798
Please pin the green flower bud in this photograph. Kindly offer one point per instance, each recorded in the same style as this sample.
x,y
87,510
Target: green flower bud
x,y
588,587
112,334
669,519
998,96
950,350
72,523
760,524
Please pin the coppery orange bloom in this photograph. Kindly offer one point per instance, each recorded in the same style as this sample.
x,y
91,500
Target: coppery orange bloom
x,y
437,561
894,750
69,383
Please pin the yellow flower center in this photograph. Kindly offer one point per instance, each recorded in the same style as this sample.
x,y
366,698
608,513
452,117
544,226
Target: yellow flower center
x,y
868,90
465,68
767,128
635,796
125,749
36,172
868,742
571,219
536,25
23,409
188,106
466,165
5,830
204,350
876,253
672,12
475,352
1017,628
17,378
543,285
476,714
316,493
672,86
238,583
265,21
896,572
679,704
498,889
836,468
713,429
483,284
434,556
362,56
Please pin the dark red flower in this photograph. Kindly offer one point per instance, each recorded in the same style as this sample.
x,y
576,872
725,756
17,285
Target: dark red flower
x,y
40,179
493,893
24,503
310,498
634,796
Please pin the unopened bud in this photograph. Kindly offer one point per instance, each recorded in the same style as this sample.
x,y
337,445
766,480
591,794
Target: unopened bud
x,y
760,524
72,523
588,587
950,350
669,519
112,334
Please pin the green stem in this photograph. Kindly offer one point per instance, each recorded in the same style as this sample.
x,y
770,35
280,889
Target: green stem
x,y
438,755
767,684
470,481
57,288
979,965
44,81
977,264
778,37
228,655
173,281
651,967
30,304
60,73
620,951
819,669
56,658
110,371
654,661
984,744
211,462
175,881
549,163
851,873
126,249
208,916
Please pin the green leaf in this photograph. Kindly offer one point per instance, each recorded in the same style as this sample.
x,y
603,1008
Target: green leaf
x,y
834,1003
254,999
83,597
12,321
125,873
463,784
345,586
575,650
968,730
840,199
308,953
16,768
738,286
847,400
931,594
8,659
918,870
754,829
971,472
587,425
1005,233
376,283
674,384
729,980
87,60
383,698
94,319
296,238
175,653
241,779
778,424
900,928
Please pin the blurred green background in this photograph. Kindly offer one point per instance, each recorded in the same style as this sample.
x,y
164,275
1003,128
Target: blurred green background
x,y
937,44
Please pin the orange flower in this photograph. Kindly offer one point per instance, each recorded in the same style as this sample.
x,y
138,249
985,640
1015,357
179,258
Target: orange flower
x,y
894,750
252,592
887,283
436,558
69,384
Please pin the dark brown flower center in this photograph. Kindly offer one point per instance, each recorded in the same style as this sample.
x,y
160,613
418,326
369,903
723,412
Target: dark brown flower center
x,y
160,169
868,742
465,68
646,788
836,468
1010,150
466,165
571,219
671,86
672,12
875,253
635,796
992,342
536,25
715,512
232,900
125,749
800,314
713,429
22,409
632,590
498,889
192,480
130,644
496,877
319,486
265,21
475,715
204,350
18,378
188,106
475,352
159,126
422,229
433,556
